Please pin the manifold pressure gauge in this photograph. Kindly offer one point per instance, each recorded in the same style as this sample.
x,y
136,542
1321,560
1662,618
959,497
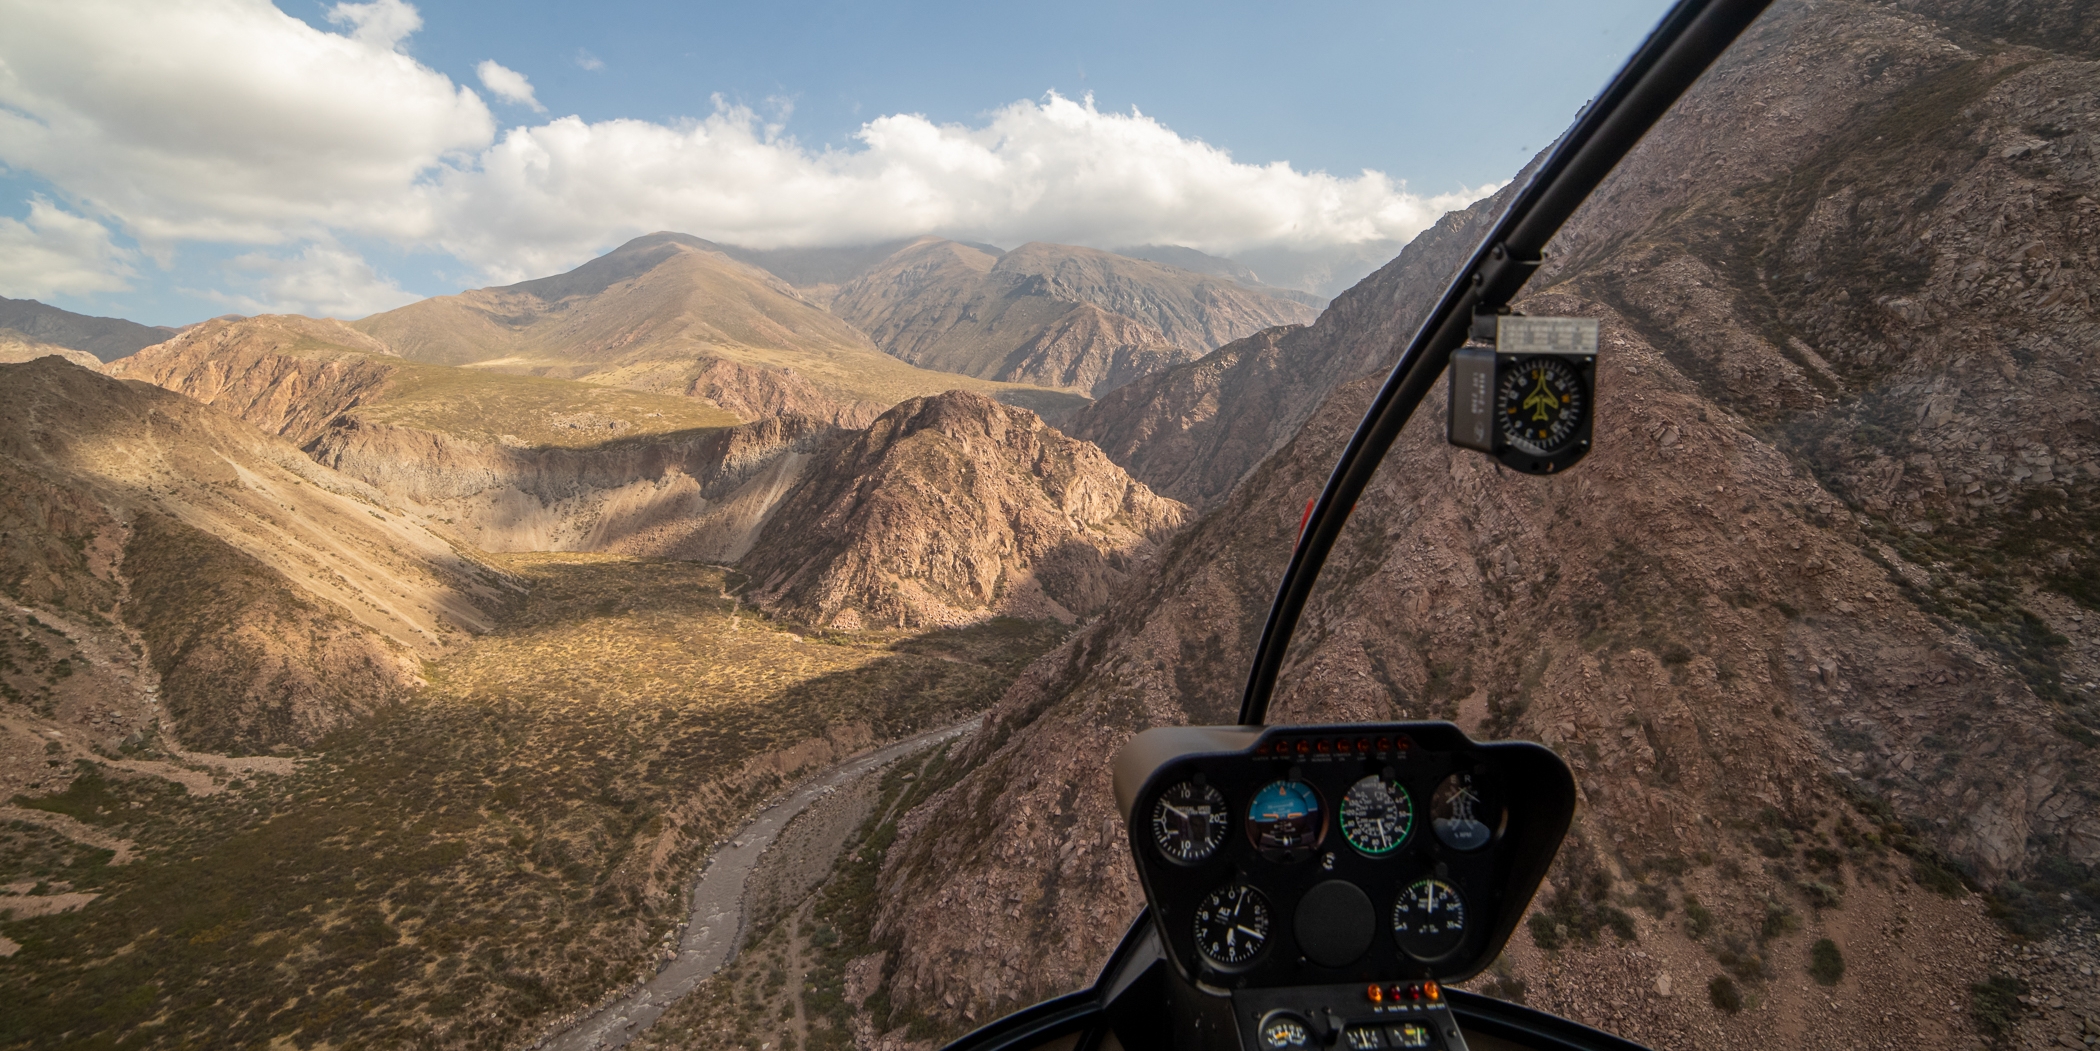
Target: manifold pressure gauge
x,y
1527,402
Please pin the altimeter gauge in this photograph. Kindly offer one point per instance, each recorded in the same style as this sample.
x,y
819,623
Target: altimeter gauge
x,y
1285,821
1429,920
1376,816
1232,925
1538,403
1188,822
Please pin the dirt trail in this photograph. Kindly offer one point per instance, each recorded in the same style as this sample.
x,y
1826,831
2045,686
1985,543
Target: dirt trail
x,y
718,914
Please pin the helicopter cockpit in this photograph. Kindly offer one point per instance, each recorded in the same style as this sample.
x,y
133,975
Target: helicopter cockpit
x,y
1320,886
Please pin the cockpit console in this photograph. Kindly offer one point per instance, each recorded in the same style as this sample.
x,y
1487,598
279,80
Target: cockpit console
x,y
1313,886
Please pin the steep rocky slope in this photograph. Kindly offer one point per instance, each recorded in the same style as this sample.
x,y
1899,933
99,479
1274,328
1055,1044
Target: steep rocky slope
x,y
953,509
1054,315
107,338
1813,625
270,597
644,315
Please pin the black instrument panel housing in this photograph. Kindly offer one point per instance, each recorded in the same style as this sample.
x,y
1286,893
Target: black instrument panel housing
x,y
1531,786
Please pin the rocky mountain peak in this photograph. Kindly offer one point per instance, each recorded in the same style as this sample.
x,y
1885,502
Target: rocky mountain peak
x,y
951,509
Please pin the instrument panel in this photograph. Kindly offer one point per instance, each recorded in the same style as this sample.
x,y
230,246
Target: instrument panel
x,y
1291,856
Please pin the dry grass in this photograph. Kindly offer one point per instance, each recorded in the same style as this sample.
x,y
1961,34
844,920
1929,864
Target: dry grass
x,y
463,868
532,410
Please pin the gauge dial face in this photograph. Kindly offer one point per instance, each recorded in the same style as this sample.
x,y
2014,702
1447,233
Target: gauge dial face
x,y
1282,1030
1285,821
1461,818
1188,822
1377,814
1232,925
1429,920
1538,403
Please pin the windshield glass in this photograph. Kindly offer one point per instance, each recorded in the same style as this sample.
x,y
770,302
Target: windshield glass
x,y
660,543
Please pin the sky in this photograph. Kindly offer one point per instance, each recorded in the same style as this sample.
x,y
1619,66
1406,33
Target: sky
x,y
172,160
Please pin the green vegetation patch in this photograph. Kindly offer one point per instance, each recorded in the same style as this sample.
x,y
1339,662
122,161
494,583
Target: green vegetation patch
x,y
533,410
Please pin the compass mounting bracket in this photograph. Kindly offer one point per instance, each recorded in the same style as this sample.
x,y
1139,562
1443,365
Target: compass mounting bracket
x,y
1528,398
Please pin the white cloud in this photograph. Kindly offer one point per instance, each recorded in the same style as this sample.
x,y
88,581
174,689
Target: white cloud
x,y
589,61
227,121
508,84
1055,170
321,281
57,253
383,24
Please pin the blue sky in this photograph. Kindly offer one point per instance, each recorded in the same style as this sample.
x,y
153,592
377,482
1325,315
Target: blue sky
x,y
354,156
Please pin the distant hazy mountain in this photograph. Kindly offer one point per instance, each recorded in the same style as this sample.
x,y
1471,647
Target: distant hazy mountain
x,y
1218,266
1052,315
107,338
644,315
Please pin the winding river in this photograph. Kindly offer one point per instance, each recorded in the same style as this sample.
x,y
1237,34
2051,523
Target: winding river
x,y
718,904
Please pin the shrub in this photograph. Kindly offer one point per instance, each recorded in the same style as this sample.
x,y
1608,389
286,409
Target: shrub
x,y
1698,919
1994,1004
1545,933
1826,962
1724,994
1932,875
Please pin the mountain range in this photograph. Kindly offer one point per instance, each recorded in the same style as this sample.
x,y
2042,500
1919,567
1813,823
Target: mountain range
x,y
1813,625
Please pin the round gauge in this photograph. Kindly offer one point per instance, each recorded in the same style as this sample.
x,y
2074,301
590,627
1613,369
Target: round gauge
x,y
1281,1030
1232,924
1188,822
1461,818
1377,815
1285,822
1429,920
1538,403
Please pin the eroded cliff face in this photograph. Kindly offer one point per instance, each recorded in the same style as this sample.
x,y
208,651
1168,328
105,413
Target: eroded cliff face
x,y
266,370
755,392
699,496
950,510
1810,622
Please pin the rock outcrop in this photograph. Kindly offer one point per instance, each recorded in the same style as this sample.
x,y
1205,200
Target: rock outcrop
x,y
1819,600
953,509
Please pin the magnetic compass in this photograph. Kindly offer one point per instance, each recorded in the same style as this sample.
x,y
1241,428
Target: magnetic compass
x,y
1539,401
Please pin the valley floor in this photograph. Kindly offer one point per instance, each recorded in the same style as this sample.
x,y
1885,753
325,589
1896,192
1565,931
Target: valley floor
x,y
462,869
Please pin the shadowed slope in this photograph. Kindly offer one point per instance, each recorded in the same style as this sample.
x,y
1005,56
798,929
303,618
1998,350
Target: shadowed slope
x,y
274,597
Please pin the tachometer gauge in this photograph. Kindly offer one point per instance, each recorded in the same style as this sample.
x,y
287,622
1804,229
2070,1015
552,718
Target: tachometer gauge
x,y
1285,822
1188,822
1461,818
1232,925
1538,403
1377,815
1429,920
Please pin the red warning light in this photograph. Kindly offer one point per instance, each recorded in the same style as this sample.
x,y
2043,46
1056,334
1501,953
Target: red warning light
x,y
1385,744
1322,746
1363,744
1304,747
1262,748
